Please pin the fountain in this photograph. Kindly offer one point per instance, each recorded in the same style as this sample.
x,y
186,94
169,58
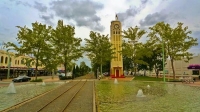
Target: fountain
x,y
140,93
148,86
11,88
43,83
115,82
160,97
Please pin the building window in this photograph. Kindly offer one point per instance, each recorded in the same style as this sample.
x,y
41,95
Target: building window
x,y
6,60
1,59
22,61
18,62
113,32
15,62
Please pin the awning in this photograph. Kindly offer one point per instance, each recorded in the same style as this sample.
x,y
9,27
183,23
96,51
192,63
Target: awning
x,y
196,66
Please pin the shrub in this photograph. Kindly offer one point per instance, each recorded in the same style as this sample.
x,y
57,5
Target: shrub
x,y
64,77
36,80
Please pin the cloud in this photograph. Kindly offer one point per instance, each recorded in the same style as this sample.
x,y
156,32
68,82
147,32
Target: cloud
x,y
83,13
154,18
162,16
17,2
40,7
132,11
47,18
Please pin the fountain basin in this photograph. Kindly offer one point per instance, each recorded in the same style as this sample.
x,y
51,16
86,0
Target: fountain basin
x,y
24,92
161,97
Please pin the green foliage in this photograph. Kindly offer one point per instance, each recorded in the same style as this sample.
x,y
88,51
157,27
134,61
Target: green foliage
x,y
146,78
67,47
176,41
64,77
37,80
77,73
32,42
153,59
106,67
133,34
84,69
99,49
74,71
127,63
132,50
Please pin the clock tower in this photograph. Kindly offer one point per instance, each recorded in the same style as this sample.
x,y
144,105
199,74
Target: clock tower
x,y
116,70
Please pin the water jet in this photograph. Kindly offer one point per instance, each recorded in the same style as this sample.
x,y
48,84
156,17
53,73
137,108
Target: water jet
x,y
11,88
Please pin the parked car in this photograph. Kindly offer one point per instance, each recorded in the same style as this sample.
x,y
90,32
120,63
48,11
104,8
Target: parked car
x,y
69,74
22,79
106,74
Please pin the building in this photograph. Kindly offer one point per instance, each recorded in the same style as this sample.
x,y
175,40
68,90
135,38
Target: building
x,y
181,67
16,66
116,70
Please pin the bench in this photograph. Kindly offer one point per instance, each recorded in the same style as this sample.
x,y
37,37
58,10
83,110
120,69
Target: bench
x,y
187,79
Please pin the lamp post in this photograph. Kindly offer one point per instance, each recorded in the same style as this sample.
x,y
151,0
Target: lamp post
x,y
133,42
163,56
1,44
8,74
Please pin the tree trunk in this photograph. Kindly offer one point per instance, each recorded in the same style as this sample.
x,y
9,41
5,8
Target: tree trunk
x,y
36,69
157,72
172,64
101,70
65,66
134,69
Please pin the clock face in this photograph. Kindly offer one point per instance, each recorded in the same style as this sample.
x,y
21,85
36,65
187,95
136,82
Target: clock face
x,y
116,26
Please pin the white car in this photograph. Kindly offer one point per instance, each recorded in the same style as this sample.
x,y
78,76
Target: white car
x,y
69,74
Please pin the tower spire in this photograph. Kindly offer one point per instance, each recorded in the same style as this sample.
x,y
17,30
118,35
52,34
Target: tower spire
x,y
116,17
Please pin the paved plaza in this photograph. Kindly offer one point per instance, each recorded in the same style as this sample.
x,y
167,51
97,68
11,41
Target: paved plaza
x,y
6,82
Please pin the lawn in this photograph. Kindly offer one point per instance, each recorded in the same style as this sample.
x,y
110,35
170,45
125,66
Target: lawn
x,y
146,78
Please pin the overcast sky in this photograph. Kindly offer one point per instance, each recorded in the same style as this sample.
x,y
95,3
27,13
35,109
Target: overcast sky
x,y
96,15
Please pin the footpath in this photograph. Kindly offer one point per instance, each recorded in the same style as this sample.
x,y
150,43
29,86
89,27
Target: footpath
x,y
6,82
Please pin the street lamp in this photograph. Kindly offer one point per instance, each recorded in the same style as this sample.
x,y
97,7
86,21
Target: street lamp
x,y
8,75
163,56
1,45
134,42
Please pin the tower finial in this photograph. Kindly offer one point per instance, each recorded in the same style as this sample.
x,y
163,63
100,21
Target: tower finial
x,y
116,18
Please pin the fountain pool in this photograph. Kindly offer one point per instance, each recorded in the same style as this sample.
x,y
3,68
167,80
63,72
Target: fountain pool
x,y
24,92
161,97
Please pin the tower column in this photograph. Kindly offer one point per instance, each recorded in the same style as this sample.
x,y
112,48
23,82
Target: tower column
x,y
116,40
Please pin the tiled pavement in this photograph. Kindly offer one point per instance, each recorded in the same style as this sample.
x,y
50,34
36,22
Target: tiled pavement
x,y
6,82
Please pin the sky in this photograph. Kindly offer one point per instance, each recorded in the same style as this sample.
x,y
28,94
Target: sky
x,y
96,15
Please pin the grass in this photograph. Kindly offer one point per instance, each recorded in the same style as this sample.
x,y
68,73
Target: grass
x,y
146,78
38,80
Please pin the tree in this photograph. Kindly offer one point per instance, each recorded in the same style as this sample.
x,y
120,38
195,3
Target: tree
x,y
99,49
77,73
67,47
49,60
127,63
74,72
32,41
130,49
84,68
176,41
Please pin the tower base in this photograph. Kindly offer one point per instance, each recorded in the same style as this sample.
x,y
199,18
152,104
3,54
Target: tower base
x,y
120,76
